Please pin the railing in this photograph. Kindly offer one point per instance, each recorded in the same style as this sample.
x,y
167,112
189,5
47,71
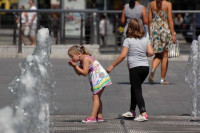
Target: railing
x,y
82,26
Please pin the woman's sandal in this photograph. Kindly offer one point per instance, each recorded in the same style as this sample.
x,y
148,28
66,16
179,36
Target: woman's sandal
x,y
151,77
164,82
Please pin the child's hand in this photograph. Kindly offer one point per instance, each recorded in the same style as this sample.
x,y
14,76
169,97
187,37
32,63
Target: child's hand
x,y
71,63
109,69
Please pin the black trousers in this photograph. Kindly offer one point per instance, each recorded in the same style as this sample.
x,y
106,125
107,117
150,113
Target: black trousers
x,y
137,76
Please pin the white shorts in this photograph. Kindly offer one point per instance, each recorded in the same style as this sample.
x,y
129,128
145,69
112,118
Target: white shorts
x,y
30,30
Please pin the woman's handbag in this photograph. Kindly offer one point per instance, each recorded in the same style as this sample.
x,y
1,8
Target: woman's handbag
x,y
173,50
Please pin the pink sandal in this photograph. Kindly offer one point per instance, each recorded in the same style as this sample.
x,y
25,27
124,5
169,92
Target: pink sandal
x,y
100,119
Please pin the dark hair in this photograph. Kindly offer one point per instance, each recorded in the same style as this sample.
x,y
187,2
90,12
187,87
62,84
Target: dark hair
x,y
22,7
76,49
32,1
135,29
131,3
159,4
102,16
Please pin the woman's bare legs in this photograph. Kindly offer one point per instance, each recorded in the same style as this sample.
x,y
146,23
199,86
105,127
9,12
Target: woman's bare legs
x,y
163,59
97,105
155,63
164,65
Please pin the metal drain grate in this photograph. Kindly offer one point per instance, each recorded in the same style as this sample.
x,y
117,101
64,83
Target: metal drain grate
x,y
115,124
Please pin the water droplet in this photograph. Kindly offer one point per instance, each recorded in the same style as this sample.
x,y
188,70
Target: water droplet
x,y
25,114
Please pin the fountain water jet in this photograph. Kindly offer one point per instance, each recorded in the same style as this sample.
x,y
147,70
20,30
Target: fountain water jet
x,y
192,76
31,90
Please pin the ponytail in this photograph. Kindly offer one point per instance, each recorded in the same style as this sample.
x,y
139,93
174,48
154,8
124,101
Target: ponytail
x,y
131,4
159,4
76,49
84,51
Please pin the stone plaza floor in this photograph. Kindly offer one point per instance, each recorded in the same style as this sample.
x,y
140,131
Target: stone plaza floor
x,y
168,106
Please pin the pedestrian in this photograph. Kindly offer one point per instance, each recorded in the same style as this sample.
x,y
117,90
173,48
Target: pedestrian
x,y
88,24
55,26
133,9
32,22
137,47
162,34
24,23
178,22
97,75
102,29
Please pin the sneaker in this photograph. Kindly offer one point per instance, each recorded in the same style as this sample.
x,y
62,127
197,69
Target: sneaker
x,y
89,120
129,114
100,119
151,77
141,118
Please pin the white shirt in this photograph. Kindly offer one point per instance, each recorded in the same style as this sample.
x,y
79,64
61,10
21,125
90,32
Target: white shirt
x,y
137,51
31,14
102,27
23,17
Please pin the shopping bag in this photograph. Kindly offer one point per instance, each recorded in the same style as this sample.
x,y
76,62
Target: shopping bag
x,y
174,50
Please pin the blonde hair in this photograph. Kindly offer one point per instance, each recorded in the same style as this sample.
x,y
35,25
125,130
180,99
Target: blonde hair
x,y
135,29
78,49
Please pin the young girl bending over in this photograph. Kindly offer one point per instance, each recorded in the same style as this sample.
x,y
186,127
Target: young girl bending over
x,y
137,46
97,75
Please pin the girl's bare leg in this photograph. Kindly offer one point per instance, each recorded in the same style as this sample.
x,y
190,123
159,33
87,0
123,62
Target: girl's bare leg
x,y
97,105
100,114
